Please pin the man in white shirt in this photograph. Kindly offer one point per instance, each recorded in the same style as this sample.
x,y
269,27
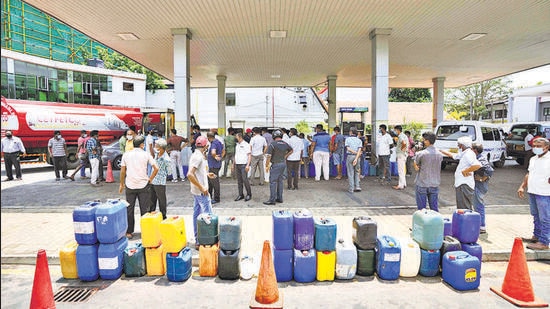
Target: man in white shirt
x,y
537,183
242,166
134,177
402,151
384,142
259,147
464,174
293,160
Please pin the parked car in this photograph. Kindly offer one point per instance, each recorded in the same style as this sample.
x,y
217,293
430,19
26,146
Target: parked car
x,y
112,152
487,134
515,141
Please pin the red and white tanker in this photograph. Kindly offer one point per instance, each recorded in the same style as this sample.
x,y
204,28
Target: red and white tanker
x,y
34,123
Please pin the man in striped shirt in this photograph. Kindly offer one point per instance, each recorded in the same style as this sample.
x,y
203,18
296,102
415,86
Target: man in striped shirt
x,y
57,148
93,156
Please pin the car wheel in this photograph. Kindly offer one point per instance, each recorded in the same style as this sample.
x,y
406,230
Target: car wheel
x,y
117,162
500,162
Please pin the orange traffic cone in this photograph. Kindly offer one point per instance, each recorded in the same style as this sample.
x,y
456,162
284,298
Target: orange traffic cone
x,y
267,292
42,293
110,177
517,287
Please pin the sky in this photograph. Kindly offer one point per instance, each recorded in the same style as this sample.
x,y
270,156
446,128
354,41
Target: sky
x,y
531,77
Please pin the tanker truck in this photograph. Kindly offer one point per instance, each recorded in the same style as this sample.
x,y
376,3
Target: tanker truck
x,y
34,123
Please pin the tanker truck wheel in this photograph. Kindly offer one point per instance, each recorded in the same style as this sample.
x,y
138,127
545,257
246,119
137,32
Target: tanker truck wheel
x,y
72,159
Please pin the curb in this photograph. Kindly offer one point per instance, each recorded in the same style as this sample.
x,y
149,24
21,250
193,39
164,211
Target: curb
x,y
494,256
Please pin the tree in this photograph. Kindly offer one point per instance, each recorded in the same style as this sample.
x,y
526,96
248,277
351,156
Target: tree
x,y
410,95
116,61
472,100
414,127
303,127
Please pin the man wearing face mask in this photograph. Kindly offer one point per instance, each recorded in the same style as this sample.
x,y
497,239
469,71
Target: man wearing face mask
x,y
129,146
57,147
464,174
537,182
12,148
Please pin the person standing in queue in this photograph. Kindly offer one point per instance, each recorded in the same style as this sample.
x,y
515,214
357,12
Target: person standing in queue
x,y
198,176
57,148
537,184
354,148
12,148
481,177
214,165
158,191
133,177
243,157
277,153
464,174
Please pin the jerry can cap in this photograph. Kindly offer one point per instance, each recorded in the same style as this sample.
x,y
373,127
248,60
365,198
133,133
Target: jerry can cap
x,y
174,254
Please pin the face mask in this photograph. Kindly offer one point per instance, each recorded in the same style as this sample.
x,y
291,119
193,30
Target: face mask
x,y
58,137
84,135
8,135
380,131
537,150
129,137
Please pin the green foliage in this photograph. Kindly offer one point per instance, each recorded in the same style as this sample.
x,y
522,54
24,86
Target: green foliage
x,y
303,127
410,95
415,127
472,100
116,61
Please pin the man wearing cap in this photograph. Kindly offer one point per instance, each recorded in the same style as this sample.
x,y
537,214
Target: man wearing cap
x,y
57,147
464,174
277,154
12,148
198,176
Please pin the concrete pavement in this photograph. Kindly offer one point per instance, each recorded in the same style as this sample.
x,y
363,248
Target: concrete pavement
x,y
37,212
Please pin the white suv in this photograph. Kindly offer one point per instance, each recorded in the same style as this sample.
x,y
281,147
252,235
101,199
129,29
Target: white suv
x,y
487,134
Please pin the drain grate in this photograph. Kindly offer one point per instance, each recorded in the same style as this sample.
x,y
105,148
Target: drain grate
x,y
74,294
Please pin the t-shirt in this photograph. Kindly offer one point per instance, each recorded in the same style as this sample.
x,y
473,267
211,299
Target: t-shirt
x,y
175,142
306,142
58,146
383,144
258,142
277,150
136,162
339,141
212,162
429,162
297,147
230,142
198,161
321,140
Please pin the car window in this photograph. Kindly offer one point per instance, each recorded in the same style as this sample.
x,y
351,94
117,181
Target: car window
x,y
520,131
487,134
452,132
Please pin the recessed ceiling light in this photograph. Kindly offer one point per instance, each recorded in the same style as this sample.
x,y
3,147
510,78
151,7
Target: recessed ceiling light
x,y
128,36
277,34
275,76
473,36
